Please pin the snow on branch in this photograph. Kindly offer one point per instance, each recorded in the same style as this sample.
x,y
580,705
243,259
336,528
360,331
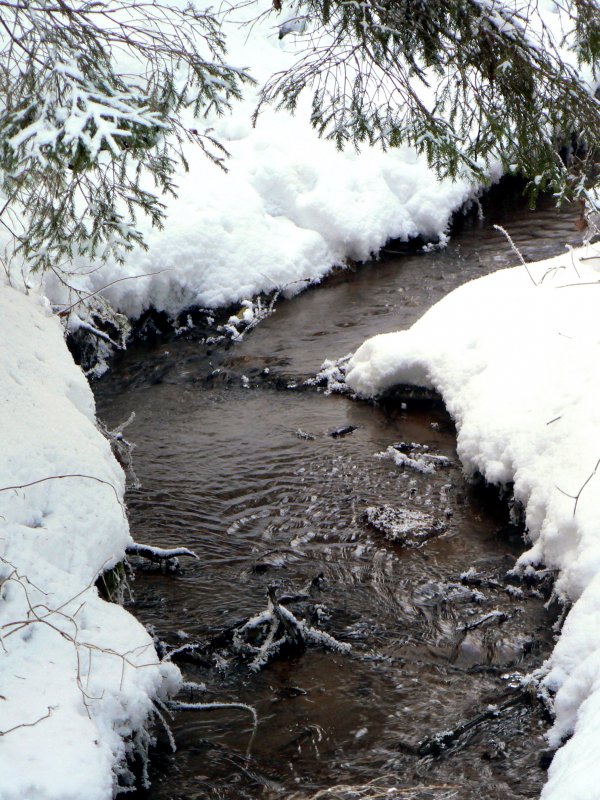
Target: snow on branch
x,y
471,84
91,118
158,553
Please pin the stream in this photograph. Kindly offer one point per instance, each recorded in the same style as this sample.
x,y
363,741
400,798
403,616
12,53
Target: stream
x,y
236,462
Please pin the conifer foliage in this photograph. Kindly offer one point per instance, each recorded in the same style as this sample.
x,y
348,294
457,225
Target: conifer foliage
x,y
93,98
98,98
467,82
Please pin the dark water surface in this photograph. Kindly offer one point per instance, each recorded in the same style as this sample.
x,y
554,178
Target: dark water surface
x,y
224,472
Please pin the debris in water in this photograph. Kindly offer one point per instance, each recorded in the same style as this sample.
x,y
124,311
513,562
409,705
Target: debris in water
x,y
413,457
166,558
304,435
272,633
436,744
390,787
404,526
494,617
344,430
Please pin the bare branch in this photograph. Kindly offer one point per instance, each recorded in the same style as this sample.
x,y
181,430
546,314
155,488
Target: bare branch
x,y
28,724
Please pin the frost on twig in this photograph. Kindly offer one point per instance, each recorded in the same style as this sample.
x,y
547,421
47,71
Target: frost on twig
x,y
122,449
254,311
177,705
160,555
275,632
248,317
332,376
164,709
516,250
266,635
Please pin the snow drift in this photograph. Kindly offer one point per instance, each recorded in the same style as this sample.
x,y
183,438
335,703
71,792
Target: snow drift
x,y
516,356
79,675
289,209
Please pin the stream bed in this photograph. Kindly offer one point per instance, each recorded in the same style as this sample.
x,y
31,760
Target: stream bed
x,y
237,462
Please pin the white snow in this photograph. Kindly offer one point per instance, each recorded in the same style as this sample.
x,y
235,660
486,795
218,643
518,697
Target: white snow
x,y
290,208
516,357
83,667
81,673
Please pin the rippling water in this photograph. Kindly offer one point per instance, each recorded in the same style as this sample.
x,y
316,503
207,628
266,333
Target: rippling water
x,y
225,473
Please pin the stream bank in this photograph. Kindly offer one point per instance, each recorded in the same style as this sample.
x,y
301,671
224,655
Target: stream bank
x,y
225,471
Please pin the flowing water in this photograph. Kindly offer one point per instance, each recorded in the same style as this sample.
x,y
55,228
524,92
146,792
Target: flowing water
x,y
236,462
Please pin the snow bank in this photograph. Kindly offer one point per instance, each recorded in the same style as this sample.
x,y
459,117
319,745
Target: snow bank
x,y
516,357
78,671
289,208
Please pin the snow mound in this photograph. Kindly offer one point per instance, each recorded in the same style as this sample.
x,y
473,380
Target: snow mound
x,y
290,208
78,674
516,357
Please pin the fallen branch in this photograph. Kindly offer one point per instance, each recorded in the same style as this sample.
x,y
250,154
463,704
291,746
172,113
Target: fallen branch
x,y
434,745
157,554
283,629
261,638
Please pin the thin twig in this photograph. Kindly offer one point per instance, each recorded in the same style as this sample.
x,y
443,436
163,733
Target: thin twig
x,y
577,496
28,724
516,250
67,475
64,311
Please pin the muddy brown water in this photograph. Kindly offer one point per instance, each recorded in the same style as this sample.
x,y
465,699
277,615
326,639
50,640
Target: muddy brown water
x,y
225,472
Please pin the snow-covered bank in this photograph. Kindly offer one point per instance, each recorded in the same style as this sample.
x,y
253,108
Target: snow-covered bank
x,y
289,209
78,674
291,206
516,358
